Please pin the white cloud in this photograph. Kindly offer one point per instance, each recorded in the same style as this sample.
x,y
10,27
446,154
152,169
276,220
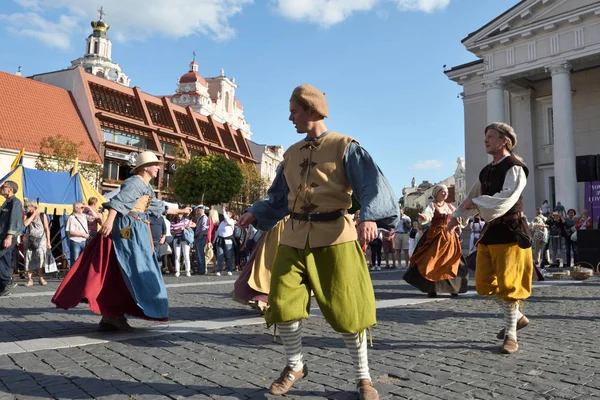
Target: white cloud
x,y
53,34
330,12
322,12
427,6
428,164
131,20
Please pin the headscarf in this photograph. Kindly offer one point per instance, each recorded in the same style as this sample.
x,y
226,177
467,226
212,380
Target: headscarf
x,y
437,189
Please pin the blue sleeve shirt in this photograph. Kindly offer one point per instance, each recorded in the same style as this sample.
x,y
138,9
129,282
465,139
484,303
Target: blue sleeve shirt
x,y
371,188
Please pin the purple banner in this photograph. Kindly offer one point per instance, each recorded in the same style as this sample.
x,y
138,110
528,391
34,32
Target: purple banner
x,y
592,198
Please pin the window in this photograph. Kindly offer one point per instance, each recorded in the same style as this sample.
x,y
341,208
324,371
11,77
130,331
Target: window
x,y
195,153
168,148
95,47
115,172
167,180
128,139
550,124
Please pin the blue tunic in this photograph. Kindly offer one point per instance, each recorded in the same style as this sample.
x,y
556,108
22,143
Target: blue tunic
x,y
138,263
369,185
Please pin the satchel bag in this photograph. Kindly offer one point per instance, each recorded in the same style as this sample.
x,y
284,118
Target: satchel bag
x,y
188,235
50,264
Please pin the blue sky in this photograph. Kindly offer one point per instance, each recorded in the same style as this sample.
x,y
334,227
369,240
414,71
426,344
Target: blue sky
x,y
380,62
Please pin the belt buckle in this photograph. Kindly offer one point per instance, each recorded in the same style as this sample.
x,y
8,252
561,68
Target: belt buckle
x,y
308,217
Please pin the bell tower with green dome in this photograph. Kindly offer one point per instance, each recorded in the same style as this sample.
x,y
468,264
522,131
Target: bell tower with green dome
x,y
97,59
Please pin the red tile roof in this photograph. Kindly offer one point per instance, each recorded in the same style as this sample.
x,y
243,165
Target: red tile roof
x,y
31,110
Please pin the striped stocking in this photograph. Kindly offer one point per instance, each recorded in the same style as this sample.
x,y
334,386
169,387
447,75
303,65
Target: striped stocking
x,y
503,303
511,316
358,353
291,337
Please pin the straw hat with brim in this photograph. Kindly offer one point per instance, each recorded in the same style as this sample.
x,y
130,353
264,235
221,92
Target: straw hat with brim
x,y
144,159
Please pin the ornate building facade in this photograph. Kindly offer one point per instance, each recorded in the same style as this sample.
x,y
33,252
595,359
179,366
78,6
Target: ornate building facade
x,y
213,97
122,121
538,69
267,157
98,52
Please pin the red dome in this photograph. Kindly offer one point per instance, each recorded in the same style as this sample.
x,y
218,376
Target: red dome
x,y
192,77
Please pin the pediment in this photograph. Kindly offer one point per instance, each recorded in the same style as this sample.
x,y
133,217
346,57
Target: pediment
x,y
529,15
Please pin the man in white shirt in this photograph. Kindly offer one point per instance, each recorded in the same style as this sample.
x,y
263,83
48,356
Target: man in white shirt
x,y
401,236
504,263
224,242
77,230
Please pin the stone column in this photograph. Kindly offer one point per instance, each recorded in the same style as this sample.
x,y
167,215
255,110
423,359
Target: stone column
x,y
495,101
522,118
564,137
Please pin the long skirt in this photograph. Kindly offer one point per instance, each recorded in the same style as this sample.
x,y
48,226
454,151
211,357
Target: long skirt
x,y
242,292
433,250
253,285
117,276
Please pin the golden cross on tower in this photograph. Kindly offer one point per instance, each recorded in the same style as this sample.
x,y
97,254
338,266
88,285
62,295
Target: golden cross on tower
x,y
101,13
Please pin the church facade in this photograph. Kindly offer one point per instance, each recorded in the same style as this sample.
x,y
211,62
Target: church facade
x,y
538,69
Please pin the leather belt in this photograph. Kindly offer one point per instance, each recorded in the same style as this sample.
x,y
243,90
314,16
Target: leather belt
x,y
318,216
507,217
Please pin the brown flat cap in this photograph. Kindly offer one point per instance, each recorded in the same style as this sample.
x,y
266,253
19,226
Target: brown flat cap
x,y
505,130
311,97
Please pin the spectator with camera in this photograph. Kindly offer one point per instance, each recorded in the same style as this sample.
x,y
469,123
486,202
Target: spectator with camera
x,y
570,245
558,231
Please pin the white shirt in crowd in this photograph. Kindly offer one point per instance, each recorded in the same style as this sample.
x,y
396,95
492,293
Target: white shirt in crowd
x,y
168,225
78,224
225,228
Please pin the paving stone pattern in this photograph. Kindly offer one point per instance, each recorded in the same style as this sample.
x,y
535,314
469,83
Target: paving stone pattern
x,y
437,350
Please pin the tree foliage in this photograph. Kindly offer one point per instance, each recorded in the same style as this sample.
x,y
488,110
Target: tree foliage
x,y
58,154
254,188
211,179
413,213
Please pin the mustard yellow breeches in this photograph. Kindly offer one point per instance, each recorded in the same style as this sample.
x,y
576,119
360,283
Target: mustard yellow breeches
x,y
504,270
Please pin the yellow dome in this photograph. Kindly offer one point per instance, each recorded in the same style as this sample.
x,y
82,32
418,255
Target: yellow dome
x,y
100,26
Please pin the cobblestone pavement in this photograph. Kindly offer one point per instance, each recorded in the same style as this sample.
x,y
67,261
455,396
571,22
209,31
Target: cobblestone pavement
x,y
437,349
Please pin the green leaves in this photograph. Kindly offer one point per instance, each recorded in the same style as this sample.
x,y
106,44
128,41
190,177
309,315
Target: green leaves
x,y
211,179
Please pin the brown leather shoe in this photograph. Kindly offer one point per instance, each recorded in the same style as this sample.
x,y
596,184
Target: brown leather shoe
x,y
287,378
509,346
521,323
366,390
108,324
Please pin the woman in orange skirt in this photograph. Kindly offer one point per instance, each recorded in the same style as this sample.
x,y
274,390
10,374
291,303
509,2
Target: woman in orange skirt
x,y
437,264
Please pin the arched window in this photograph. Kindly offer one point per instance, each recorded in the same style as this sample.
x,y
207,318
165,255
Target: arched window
x,y
95,47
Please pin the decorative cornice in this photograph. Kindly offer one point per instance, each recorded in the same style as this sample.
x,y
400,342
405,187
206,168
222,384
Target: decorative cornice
x,y
479,44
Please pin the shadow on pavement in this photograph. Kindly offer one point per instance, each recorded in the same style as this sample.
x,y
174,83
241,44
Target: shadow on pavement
x,y
77,387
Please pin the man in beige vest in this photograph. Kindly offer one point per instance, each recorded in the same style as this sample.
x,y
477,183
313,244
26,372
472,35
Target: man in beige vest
x,y
319,250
